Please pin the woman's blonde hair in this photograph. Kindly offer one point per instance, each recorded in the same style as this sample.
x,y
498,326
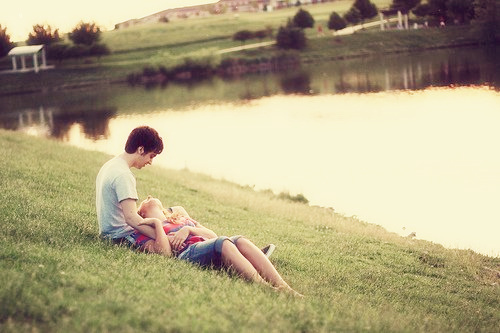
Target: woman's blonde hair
x,y
172,217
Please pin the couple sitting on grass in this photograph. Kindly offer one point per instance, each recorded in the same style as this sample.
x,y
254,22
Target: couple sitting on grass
x,y
170,232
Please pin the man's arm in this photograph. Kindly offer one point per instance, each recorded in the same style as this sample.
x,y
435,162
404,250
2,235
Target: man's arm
x,y
134,220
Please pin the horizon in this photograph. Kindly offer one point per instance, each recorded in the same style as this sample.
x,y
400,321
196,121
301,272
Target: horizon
x,y
63,15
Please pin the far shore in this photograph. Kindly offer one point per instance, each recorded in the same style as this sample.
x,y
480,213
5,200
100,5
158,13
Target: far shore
x,y
113,69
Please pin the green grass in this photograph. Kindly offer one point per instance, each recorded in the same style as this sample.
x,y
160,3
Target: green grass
x,y
58,276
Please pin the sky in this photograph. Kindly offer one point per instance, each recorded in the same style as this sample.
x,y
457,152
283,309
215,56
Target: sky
x,y
20,17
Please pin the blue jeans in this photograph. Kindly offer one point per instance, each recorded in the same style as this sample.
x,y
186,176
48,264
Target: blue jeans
x,y
207,253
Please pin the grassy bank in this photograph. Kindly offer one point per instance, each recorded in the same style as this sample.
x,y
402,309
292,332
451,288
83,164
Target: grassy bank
x,y
58,276
169,44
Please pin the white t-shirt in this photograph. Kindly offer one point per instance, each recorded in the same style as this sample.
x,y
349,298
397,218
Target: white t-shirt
x,y
115,182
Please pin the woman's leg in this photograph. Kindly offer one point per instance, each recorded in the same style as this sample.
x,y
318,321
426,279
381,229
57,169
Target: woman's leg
x,y
261,263
231,257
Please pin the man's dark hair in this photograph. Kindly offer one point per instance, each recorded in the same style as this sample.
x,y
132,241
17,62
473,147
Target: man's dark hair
x,y
144,136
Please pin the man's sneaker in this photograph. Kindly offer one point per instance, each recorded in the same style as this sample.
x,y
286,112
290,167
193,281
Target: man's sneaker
x,y
268,249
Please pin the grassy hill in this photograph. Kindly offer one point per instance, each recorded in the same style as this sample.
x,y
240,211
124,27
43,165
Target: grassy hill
x,y
58,276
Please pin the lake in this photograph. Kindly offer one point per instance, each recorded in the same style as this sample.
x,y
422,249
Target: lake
x,y
406,142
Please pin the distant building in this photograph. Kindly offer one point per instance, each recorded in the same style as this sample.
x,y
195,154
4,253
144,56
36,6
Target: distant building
x,y
220,7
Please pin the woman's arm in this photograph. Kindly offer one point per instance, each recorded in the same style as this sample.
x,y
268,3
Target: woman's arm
x,y
200,230
160,244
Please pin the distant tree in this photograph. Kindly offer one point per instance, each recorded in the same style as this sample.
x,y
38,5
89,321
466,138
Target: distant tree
x,y
85,33
405,6
336,22
353,16
422,10
5,43
243,35
43,35
486,15
460,10
434,9
163,19
366,9
303,19
291,37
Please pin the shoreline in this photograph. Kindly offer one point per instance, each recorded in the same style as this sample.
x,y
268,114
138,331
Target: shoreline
x,y
304,60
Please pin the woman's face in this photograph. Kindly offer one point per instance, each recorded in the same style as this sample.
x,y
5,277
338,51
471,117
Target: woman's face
x,y
148,205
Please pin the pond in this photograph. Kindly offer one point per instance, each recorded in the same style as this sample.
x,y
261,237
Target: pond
x,y
406,142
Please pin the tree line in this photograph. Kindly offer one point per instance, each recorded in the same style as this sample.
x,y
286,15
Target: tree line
x,y
84,40
85,36
292,36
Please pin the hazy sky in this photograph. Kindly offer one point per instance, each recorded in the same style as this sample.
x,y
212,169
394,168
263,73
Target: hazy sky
x,y
20,16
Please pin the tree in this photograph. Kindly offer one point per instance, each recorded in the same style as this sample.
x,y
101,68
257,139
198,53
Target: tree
x,y
85,33
291,37
243,35
438,9
43,35
486,15
303,19
353,16
336,22
366,9
422,10
405,5
461,10
5,43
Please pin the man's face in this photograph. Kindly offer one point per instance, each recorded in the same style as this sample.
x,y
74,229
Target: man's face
x,y
144,159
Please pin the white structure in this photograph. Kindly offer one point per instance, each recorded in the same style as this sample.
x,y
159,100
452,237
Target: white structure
x,y
28,51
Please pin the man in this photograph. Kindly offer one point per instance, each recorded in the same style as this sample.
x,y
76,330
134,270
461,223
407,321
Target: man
x,y
116,193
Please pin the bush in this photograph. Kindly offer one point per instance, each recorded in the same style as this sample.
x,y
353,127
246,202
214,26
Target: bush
x,y
5,43
43,35
243,35
303,19
76,51
57,51
98,50
367,9
353,16
261,34
291,37
336,22
85,33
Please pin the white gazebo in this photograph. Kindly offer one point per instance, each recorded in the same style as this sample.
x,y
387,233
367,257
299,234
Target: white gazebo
x,y
28,51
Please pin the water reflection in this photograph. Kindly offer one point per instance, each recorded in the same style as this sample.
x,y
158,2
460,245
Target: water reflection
x,y
93,109
414,72
51,122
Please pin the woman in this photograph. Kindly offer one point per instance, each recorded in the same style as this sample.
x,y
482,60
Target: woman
x,y
182,237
